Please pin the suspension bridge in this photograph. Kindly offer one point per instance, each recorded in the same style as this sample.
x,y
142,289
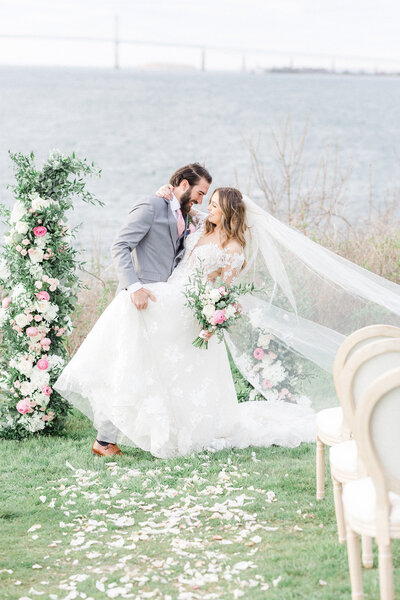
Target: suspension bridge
x,y
116,41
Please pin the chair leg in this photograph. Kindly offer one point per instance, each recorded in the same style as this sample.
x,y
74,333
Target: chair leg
x,y
320,468
386,572
337,496
367,556
353,552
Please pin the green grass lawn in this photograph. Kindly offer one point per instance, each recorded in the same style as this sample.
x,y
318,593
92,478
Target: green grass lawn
x,y
232,524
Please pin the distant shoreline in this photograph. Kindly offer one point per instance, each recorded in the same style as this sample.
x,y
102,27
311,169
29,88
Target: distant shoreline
x,y
189,69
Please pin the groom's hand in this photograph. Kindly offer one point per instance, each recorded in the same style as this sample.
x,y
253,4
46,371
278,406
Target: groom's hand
x,y
141,298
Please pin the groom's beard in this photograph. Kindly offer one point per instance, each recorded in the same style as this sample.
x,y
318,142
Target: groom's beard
x,y
186,201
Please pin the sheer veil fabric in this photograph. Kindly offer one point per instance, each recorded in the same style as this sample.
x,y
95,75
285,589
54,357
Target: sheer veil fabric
x,y
308,297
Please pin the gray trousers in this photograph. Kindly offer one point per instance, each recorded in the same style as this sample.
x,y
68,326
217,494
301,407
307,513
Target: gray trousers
x,y
107,432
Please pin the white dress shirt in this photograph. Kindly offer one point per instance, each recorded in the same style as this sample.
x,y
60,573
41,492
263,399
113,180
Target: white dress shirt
x,y
174,206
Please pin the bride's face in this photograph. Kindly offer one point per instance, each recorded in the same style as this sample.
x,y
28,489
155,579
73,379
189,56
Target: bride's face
x,y
214,209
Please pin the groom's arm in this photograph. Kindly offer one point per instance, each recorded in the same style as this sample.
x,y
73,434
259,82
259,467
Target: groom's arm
x,y
131,233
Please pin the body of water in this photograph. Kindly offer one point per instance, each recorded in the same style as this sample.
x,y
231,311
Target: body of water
x,y
139,126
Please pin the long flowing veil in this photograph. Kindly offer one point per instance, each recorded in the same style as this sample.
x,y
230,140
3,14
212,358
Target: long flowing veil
x,y
308,300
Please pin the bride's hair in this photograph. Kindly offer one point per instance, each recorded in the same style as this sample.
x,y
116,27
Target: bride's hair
x,y
233,220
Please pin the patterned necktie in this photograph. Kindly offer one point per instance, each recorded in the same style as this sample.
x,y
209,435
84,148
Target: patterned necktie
x,y
180,222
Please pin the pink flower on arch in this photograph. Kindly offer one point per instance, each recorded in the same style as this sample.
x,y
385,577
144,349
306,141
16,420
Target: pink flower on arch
x,y
23,406
258,353
43,364
40,231
43,296
6,302
46,390
32,331
45,342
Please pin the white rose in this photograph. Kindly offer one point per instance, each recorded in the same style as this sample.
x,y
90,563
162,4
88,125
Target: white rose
x,y
26,388
17,212
264,340
55,155
39,203
21,320
39,378
36,255
51,311
21,227
55,361
208,311
18,291
215,295
24,366
33,422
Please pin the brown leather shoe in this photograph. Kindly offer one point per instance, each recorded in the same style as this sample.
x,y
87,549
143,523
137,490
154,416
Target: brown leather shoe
x,y
109,450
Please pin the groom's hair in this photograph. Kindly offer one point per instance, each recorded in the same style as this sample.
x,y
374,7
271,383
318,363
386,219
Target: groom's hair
x,y
192,173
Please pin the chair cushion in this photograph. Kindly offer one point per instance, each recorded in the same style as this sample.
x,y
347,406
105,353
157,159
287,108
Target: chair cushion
x,y
359,502
329,422
343,458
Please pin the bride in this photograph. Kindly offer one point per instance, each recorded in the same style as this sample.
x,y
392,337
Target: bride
x,y
139,370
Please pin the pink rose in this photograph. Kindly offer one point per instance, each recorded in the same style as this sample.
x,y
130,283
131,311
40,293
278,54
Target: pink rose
x,y
6,302
45,341
18,248
266,384
258,353
43,296
32,331
192,228
272,355
43,364
23,406
40,231
222,290
38,318
46,390
218,317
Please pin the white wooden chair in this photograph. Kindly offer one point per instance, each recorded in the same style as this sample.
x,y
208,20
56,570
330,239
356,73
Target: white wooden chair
x,y
330,428
372,504
362,368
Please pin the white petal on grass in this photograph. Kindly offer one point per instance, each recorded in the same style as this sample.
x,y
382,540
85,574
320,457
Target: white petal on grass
x,y
34,528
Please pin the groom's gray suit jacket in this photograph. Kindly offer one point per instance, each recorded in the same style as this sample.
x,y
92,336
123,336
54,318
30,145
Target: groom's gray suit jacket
x,y
147,247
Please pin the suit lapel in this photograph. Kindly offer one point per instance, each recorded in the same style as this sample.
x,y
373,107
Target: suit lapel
x,y
173,228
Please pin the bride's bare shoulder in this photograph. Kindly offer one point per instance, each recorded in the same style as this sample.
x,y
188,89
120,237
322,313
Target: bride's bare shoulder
x,y
234,247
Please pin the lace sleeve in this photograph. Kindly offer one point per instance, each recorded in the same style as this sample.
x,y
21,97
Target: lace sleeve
x,y
198,217
232,264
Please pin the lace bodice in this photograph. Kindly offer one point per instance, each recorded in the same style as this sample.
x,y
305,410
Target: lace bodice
x,y
211,257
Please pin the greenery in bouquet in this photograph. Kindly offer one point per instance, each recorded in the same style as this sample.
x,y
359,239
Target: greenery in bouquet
x,y
215,305
38,276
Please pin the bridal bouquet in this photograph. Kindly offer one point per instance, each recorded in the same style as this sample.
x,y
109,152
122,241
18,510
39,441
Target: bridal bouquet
x,y
216,306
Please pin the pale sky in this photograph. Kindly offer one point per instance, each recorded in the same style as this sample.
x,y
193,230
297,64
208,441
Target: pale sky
x,y
365,31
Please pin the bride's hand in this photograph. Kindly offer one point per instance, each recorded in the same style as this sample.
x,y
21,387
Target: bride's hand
x,y
165,192
207,334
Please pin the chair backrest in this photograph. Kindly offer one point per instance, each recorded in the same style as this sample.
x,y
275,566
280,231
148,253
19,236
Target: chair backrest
x,y
357,340
361,369
377,422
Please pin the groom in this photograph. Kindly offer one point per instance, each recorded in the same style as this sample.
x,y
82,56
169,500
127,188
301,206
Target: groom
x,y
147,248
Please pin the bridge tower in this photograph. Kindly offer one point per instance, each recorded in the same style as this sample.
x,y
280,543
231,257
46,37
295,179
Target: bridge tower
x,y
116,42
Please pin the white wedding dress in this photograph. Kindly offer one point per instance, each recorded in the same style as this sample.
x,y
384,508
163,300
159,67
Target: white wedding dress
x,y
140,370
